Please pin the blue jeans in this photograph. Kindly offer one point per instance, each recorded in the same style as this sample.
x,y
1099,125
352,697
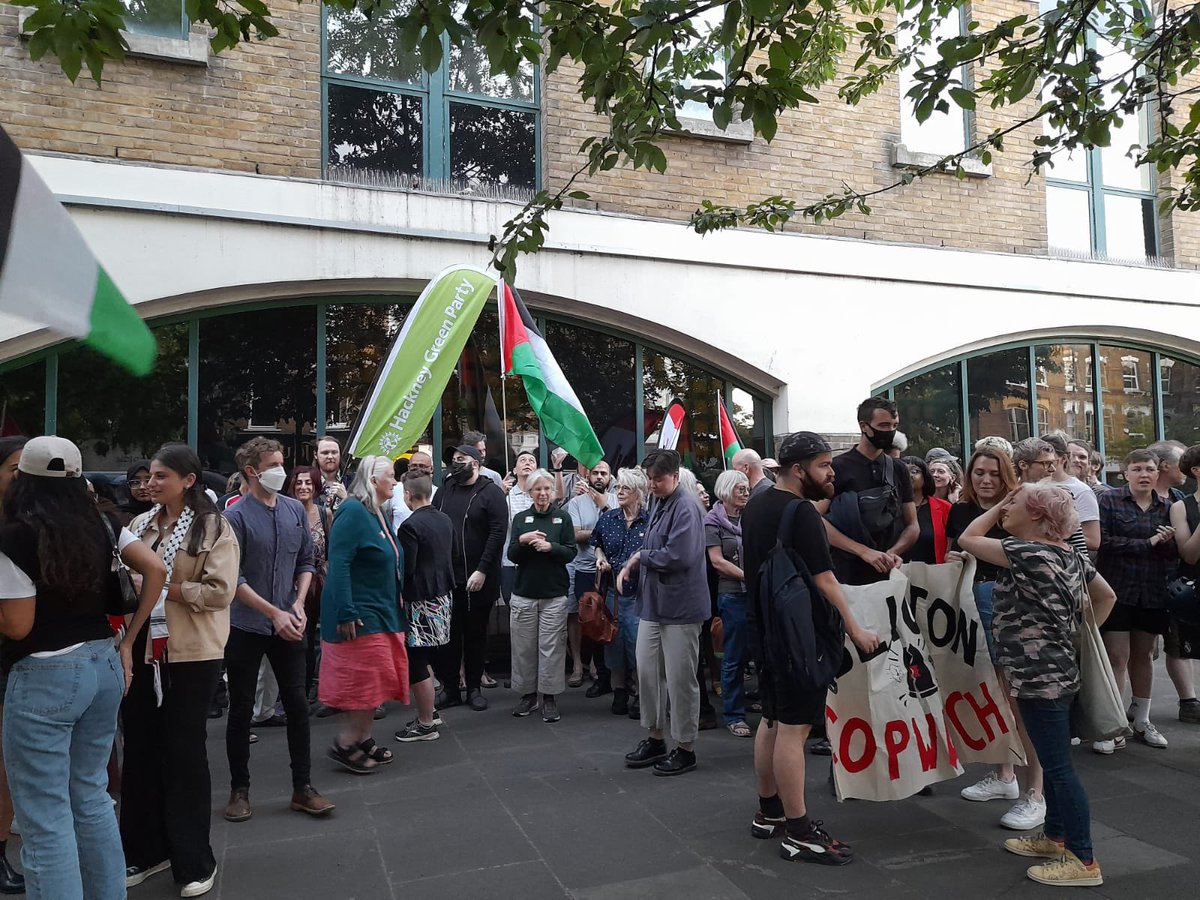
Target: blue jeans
x,y
621,654
1068,816
732,608
60,717
983,603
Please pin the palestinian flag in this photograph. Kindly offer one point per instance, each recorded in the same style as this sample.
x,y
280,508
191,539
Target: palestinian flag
x,y
49,276
729,439
525,353
672,424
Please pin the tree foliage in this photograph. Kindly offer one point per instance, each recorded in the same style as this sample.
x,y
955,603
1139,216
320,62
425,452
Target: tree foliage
x,y
1081,67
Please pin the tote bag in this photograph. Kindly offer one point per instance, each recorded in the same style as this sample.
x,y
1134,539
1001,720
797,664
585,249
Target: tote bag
x,y
1098,713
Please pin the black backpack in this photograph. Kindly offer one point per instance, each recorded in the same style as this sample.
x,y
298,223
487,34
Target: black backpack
x,y
804,635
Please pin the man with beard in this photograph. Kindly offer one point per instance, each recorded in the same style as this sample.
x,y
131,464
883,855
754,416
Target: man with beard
x,y
479,513
806,474
584,510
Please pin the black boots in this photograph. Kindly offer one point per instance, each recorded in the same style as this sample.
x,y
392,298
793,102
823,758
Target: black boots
x,y
11,881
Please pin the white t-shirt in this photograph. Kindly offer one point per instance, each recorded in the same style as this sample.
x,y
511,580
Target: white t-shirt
x,y
1087,507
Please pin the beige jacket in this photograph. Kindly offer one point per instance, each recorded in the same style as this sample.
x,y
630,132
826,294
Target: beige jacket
x,y
199,627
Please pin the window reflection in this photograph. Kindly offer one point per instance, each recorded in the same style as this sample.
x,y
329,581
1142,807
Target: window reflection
x,y
374,130
1068,221
23,400
489,145
116,417
665,379
258,377
358,337
749,416
163,18
474,400
1064,393
931,411
998,395
1180,400
1129,413
942,133
1129,227
601,370
369,48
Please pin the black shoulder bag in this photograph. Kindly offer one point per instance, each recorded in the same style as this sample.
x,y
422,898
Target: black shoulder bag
x,y
123,597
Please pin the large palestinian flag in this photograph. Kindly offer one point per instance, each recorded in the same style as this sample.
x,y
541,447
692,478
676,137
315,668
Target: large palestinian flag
x,y
729,439
526,354
49,276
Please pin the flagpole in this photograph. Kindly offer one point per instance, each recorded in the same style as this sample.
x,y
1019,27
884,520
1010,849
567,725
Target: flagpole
x,y
721,437
503,374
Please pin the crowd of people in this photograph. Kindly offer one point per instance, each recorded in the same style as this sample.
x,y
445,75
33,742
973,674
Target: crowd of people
x,y
319,592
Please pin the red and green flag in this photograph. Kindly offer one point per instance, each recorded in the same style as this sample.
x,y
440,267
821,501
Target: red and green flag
x,y
526,353
729,438
49,276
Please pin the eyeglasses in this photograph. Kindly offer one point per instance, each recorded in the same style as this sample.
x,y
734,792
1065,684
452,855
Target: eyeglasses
x,y
137,483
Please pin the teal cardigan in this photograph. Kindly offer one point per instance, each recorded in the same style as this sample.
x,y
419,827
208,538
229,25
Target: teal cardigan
x,y
364,574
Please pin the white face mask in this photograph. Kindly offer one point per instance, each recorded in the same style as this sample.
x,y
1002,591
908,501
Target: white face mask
x,y
272,479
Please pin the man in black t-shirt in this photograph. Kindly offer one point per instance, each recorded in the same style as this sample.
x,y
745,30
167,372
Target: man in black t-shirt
x,y
789,712
867,469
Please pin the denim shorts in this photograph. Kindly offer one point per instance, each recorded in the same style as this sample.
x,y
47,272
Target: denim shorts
x,y
983,603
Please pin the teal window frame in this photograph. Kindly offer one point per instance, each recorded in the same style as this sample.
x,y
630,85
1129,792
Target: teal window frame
x,y
1096,393
1097,190
436,95
319,307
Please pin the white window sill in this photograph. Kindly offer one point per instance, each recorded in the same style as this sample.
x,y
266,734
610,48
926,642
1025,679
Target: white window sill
x,y
191,51
903,158
738,132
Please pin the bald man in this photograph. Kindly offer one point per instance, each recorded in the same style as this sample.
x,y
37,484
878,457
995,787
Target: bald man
x,y
750,464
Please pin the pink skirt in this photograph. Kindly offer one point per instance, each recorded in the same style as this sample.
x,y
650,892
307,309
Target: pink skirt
x,y
365,672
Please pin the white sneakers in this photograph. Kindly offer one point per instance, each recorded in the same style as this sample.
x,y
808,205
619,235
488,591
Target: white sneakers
x,y
1106,748
1027,813
991,788
199,888
1150,736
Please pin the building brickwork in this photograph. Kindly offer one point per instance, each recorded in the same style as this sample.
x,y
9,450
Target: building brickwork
x,y
258,109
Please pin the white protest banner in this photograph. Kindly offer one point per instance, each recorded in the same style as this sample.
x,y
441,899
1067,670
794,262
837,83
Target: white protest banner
x,y
927,700
977,712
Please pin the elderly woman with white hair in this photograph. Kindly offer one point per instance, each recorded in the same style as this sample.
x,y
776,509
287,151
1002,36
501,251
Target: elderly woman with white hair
x,y
363,657
723,540
1039,605
541,543
617,536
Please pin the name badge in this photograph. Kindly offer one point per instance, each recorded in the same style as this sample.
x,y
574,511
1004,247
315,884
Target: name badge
x,y
557,521
529,520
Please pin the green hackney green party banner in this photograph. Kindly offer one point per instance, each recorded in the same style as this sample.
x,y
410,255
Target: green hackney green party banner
x,y
410,383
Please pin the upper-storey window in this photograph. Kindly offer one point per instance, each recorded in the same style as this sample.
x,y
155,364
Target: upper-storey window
x,y
1100,202
161,18
943,133
706,22
388,121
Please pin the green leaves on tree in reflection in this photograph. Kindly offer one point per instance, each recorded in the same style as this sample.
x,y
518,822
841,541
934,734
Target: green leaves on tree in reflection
x,y
114,409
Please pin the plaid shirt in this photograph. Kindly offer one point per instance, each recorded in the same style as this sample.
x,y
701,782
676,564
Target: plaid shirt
x,y
1137,572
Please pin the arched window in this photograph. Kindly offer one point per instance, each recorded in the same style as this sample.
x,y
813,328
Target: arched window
x,y
1144,393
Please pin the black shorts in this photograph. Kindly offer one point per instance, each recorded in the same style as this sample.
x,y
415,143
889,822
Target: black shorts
x,y
783,703
419,661
1137,618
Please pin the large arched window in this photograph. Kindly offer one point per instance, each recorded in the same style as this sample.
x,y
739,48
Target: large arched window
x,y
1142,394
293,371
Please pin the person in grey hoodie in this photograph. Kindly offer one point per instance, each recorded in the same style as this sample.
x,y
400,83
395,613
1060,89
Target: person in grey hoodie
x,y
673,603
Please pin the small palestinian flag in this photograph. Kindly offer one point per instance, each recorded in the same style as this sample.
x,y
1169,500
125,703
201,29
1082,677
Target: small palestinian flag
x,y
49,276
729,438
525,353
672,425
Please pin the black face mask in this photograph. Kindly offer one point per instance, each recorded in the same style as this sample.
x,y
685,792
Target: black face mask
x,y
881,440
460,471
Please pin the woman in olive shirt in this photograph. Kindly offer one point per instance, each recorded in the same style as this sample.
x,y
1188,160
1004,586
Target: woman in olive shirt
x,y
541,543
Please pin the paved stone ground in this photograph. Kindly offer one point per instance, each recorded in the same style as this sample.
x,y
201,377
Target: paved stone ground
x,y
514,808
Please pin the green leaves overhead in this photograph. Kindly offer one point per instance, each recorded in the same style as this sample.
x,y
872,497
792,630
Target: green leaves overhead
x,y
1070,74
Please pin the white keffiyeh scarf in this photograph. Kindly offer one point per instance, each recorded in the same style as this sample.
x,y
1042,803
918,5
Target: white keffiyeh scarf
x,y
156,646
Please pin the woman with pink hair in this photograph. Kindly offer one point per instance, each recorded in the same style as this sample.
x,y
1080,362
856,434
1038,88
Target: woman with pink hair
x,y
1038,606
